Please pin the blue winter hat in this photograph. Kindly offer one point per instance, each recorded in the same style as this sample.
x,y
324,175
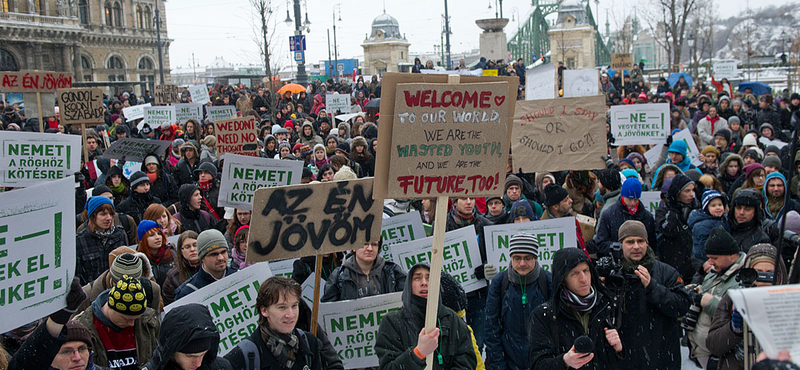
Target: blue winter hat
x,y
630,172
710,195
631,188
679,146
628,161
522,208
144,227
95,202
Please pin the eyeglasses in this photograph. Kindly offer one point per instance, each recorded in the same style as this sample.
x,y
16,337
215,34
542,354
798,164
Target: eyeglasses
x,y
69,351
189,246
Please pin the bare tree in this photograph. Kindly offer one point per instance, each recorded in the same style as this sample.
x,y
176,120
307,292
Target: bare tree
x,y
672,16
703,20
623,38
264,23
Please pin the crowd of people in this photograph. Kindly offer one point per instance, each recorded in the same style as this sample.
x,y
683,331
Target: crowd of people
x,y
636,287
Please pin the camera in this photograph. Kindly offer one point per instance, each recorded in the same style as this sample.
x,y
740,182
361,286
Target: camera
x,y
610,267
791,237
747,277
689,321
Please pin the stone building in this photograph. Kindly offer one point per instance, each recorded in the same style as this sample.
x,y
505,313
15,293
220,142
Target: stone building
x,y
102,41
386,49
572,39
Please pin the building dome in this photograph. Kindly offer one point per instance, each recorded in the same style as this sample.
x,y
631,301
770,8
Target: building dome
x,y
571,13
387,25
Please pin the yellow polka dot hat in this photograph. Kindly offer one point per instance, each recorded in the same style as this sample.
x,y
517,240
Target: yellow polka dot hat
x,y
127,297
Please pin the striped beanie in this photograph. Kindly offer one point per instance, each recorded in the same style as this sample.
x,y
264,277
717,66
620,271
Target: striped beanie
x,y
125,264
524,243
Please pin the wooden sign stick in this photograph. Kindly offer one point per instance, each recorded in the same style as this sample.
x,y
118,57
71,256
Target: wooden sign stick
x,y
85,148
39,113
315,308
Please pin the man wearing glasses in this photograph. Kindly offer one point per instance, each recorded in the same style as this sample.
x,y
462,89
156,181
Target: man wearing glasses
x,y
212,248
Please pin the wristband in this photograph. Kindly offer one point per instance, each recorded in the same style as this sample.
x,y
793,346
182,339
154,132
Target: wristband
x,y
418,353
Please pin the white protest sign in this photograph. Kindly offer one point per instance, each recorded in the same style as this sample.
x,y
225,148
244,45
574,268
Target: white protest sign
x,y
691,148
157,116
134,112
541,82
187,111
232,304
308,289
650,200
352,327
640,123
581,82
400,229
334,102
37,251
553,234
725,70
135,149
199,94
242,175
461,255
771,313
28,158
768,142
130,167
220,113
283,268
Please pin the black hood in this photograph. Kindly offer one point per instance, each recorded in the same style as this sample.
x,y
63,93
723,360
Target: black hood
x,y
564,261
678,183
180,326
413,312
116,170
746,197
184,193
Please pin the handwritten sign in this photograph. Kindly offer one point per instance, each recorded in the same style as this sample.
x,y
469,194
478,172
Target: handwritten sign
x,y
31,158
187,111
620,61
134,112
312,219
725,70
400,229
135,149
542,82
553,234
34,81
337,102
559,134
220,113
166,94
199,94
237,136
640,123
81,105
242,175
581,82
157,116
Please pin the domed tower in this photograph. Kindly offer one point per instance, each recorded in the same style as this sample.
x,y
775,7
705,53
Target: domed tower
x,y
385,48
572,38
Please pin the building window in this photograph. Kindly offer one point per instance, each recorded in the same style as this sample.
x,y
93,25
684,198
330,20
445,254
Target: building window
x,y
7,61
117,14
85,63
115,63
145,63
139,17
83,11
107,11
148,17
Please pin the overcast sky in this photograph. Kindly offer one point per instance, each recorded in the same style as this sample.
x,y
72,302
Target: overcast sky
x,y
211,28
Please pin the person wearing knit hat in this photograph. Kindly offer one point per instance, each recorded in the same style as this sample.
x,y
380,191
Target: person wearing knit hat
x,y
625,163
212,249
628,207
190,159
284,149
749,141
558,201
92,251
125,264
710,156
512,192
153,244
771,164
722,140
521,211
495,210
752,155
678,156
127,297
140,198
631,189
208,148
767,130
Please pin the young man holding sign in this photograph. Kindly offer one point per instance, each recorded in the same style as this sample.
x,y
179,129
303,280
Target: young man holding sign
x,y
364,273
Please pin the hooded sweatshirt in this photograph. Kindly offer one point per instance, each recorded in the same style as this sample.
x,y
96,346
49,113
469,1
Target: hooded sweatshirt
x,y
680,147
775,208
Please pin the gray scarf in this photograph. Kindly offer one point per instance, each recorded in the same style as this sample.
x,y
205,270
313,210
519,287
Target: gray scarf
x,y
283,346
514,277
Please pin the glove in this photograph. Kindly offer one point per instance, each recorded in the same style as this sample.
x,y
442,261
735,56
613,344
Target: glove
x,y
489,271
736,321
669,140
75,298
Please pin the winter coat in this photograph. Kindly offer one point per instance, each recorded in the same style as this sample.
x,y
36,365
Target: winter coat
x,y
127,223
701,224
308,358
311,140
39,350
197,221
174,280
349,282
769,116
136,204
750,233
613,217
706,130
792,205
674,234
199,280
183,173
207,153
165,188
722,340
92,251
212,196
507,318
181,326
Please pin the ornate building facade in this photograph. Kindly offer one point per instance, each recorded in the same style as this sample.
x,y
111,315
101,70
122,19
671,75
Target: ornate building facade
x,y
386,49
101,41
572,39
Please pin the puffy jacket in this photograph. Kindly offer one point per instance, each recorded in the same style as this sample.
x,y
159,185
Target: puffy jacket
x,y
165,188
706,130
674,233
613,217
349,282
701,224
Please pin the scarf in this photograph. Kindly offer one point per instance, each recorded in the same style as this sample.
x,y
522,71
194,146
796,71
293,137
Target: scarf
x,y
633,209
239,258
117,189
282,346
204,185
774,207
163,256
713,122
152,176
581,304
460,219
629,267
523,281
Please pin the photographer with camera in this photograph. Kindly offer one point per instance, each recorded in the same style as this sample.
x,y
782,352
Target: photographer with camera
x,y
651,298
725,335
726,260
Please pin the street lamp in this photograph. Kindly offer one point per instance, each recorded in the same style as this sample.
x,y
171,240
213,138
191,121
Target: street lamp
x,y
335,49
302,77
690,40
307,23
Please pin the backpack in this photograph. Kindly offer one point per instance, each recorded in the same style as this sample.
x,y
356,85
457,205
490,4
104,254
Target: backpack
x,y
542,281
252,356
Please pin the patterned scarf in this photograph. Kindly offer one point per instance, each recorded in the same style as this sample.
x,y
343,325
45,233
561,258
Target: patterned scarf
x,y
283,346
460,219
582,304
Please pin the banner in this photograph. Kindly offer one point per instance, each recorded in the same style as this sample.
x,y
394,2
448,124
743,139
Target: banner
x,y
237,136
199,94
37,251
725,70
461,255
135,149
242,175
650,200
232,304
83,105
220,113
283,268
352,327
166,94
771,313
640,124
581,82
313,219
543,82
34,81
187,111
691,148
134,112
400,229
553,234
157,116
559,134
31,158
621,61
337,102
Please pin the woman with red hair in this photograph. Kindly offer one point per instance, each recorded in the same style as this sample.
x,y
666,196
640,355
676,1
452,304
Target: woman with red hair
x,y
153,243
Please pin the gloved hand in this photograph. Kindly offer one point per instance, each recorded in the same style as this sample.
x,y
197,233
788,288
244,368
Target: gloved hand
x,y
75,297
669,140
489,271
736,321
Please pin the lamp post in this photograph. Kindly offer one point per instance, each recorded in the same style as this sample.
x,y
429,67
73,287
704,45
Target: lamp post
x,y
449,64
335,49
690,40
302,77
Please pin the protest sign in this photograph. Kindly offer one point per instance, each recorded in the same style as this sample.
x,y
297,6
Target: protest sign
x,y
640,123
37,251
725,70
237,136
559,134
691,148
242,175
31,158
134,112
166,94
187,111
223,112
542,82
157,116
199,94
352,327
337,102
312,219
400,229
130,167
460,253
581,82
620,61
771,314
553,234
47,108
489,72
81,105
135,149
650,200
34,81
283,268
308,289
232,304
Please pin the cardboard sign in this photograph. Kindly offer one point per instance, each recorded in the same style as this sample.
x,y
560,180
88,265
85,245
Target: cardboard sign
x,y
283,268
312,219
220,113
461,254
541,82
31,158
187,111
692,152
449,140
199,94
157,116
134,112
135,149
352,327
34,81
166,94
725,70
553,234
83,105
640,123
650,200
242,175
400,229
232,304
581,82
620,61
37,250
237,136
559,134
337,102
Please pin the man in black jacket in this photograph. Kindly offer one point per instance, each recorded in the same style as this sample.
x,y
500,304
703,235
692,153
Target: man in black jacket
x,y
364,273
745,218
629,207
212,248
183,173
